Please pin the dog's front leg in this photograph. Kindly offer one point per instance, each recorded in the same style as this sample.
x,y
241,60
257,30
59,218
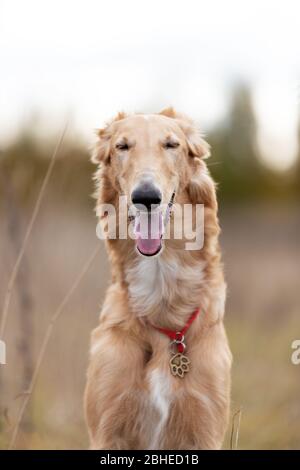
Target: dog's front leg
x,y
195,425
200,410
113,395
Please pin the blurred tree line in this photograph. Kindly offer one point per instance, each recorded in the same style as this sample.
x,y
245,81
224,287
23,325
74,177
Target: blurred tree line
x,y
235,163
23,165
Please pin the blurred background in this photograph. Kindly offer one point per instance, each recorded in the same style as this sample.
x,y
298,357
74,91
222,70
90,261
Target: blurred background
x,y
235,68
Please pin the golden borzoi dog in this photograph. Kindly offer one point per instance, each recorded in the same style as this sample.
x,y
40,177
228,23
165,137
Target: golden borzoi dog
x,y
159,372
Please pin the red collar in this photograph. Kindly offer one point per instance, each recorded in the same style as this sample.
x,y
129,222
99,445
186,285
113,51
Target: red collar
x,y
177,337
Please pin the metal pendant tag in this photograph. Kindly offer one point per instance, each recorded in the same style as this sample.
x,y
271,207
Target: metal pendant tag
x,y
179,365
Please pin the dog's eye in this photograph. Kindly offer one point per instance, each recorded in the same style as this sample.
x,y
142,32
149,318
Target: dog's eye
x,y
122,146
171,144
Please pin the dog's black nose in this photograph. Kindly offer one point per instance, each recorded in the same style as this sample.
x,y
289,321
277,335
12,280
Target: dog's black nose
x,y
146,195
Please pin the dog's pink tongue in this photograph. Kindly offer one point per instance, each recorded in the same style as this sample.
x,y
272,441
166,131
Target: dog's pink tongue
x,y
148,232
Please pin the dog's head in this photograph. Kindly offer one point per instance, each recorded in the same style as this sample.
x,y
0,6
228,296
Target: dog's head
x,y
149,158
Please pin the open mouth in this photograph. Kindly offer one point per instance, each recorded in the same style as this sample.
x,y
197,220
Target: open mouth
x,y
149,229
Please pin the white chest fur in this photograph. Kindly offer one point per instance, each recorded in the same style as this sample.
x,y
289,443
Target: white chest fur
x,y
160,397
154,280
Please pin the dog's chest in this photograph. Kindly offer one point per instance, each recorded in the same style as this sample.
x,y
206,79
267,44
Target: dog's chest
x,y
150,280
153,281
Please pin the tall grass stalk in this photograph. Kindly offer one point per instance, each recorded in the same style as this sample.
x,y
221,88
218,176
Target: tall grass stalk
x,y
235,429
17,264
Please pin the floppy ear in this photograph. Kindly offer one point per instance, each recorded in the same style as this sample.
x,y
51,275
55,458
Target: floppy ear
x,y
101,153
197,146
201,187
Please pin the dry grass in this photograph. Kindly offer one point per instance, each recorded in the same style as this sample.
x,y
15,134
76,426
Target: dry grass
x,y
235,429
35,212
26,394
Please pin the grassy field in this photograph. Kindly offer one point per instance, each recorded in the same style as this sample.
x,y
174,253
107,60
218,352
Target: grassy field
x,y
266,385
262,259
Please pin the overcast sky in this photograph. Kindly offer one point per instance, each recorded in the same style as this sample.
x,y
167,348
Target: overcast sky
x,y
86,60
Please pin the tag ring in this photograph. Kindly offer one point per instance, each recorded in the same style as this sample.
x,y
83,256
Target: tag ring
x,y
176,342
179,338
